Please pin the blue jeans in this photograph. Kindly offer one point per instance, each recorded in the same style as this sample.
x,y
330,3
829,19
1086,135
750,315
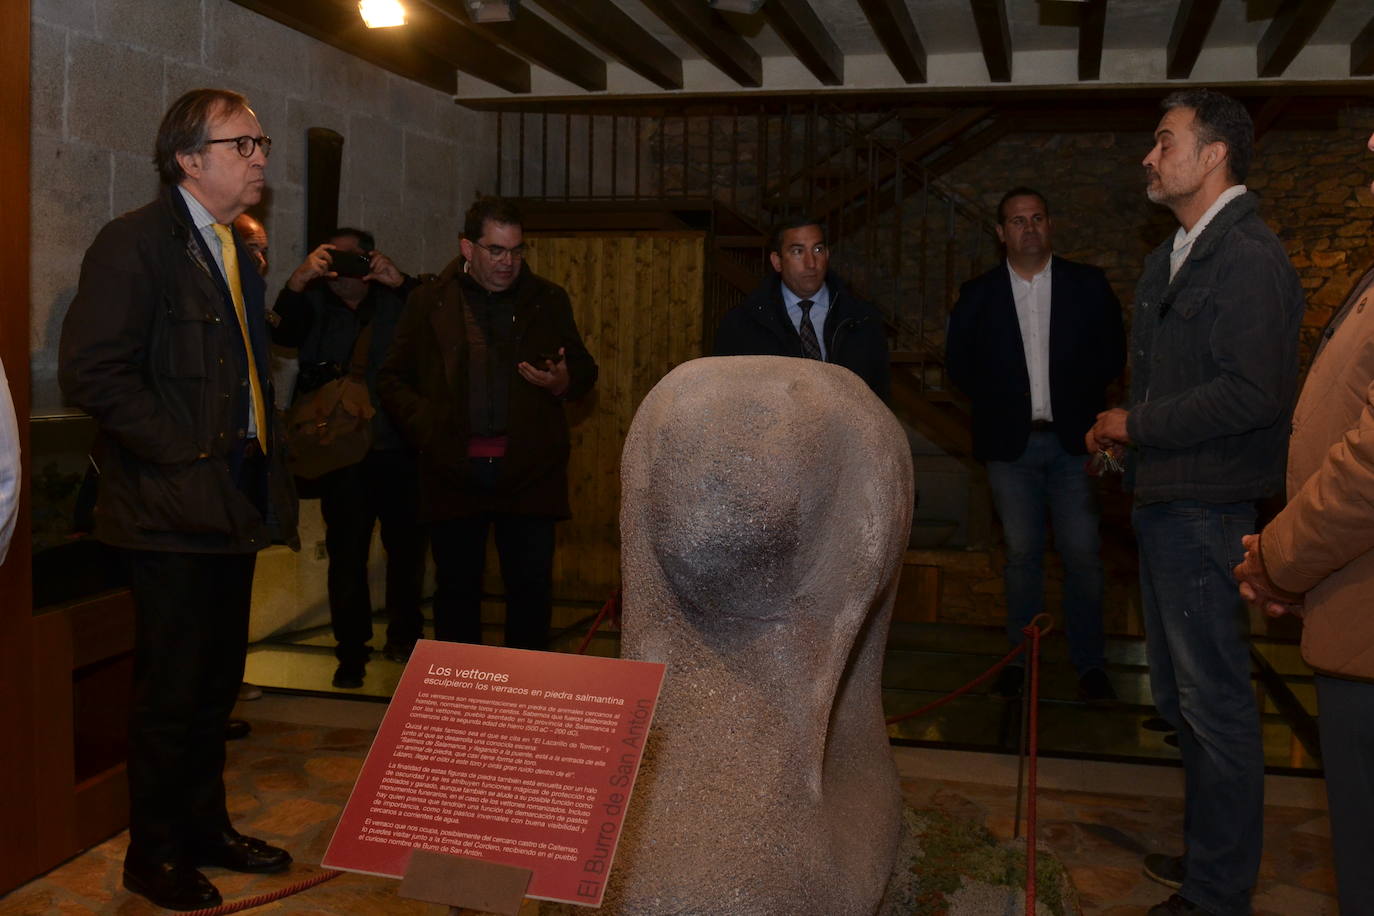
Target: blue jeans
x,y
1198,650
1047,478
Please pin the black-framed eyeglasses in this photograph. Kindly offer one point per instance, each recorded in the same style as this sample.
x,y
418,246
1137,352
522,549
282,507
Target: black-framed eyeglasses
x,y
246,145
500,252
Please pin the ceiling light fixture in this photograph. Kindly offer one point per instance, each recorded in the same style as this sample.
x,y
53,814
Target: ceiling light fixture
x,y
748,7
382,14
492,10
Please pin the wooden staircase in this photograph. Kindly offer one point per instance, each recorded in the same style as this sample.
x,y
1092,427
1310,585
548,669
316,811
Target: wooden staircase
x,y
898,234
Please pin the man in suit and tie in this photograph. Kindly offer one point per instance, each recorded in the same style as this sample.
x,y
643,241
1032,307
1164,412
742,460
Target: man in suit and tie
x,y
804,309
1034,343
166,347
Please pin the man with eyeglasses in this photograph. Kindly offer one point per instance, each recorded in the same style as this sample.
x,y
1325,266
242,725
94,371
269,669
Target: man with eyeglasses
x,y
805,310
166,346
483,361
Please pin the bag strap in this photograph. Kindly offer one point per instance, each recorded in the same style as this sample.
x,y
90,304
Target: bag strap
x,y
357,364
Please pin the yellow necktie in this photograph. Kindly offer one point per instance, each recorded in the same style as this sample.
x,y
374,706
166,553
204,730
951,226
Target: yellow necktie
x,y
231,274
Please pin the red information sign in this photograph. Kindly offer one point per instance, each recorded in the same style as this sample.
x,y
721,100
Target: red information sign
x,y
520,758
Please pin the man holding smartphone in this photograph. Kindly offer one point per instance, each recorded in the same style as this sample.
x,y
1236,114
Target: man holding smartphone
x,y
343,290
483,362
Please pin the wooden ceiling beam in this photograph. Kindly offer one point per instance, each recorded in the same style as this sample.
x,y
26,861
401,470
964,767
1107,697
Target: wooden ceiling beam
x,y
1090,32
326,21
995,35
1362,52
1293,25
808,38
706,30
466,50
534,38
892,23
1191,25
603,24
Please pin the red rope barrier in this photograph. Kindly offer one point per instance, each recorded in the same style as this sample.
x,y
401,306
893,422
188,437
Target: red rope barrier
x,y
1006,660
612,603
247,903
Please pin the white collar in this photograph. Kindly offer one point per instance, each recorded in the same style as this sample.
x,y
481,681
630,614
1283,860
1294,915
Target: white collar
x,y
1183,237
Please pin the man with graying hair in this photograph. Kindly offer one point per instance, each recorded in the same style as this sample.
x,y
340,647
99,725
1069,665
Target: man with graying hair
x,y
1214,353
166,347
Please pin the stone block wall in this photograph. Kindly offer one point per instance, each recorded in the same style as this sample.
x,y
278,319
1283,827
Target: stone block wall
x,y
1314,189
104,71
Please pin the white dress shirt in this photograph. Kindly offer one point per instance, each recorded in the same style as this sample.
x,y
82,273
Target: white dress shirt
x,y
1033,314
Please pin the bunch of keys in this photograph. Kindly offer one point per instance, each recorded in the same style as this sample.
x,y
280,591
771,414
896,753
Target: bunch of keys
x,y
1104,461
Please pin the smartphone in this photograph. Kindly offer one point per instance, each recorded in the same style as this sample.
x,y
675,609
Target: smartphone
x,y
552,358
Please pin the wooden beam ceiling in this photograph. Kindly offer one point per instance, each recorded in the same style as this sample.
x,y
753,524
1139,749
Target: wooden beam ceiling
x,y
467,51
1090,32
990,16
1293,25
799,26
1362,52
535,39
603,24
1191,25
891,22
707,31
327,21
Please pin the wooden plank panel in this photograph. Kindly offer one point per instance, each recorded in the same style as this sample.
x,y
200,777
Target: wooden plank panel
x,y
26,708
637,299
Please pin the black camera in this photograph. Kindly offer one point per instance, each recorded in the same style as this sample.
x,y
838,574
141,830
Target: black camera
x,y
350,263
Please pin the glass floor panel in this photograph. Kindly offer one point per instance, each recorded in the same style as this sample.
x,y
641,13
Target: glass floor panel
x,y
924,662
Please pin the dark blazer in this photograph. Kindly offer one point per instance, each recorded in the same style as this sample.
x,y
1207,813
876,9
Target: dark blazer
x,y
424,386
151,349
986,359
854,334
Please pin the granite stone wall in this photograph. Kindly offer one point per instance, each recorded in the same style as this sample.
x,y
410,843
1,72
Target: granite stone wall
x,y
103,72
1314,187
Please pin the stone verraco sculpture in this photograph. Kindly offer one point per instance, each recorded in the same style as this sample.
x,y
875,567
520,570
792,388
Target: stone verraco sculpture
x,y
766,504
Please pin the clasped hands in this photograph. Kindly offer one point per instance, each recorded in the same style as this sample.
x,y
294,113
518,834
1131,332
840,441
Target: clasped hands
x,y
1257,588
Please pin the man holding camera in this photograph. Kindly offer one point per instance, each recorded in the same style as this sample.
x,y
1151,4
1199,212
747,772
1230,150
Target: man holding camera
x,y
343,290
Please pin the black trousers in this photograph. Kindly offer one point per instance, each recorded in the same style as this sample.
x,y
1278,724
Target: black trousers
x,y
383,487
524,545
1347,735
191,639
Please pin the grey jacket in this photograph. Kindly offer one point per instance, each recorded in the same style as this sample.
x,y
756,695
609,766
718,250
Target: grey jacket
x,y
1214,359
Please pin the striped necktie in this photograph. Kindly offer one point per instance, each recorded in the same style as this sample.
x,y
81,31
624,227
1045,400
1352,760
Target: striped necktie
x,y
811,347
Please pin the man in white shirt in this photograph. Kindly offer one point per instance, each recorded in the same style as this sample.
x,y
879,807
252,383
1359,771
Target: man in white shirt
x,y
1034,343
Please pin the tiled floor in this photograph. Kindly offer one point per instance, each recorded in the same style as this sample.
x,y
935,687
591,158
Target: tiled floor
x,y
289,780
